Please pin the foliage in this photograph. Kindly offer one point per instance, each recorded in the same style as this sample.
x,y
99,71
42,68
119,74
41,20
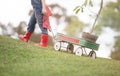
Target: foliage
x,y
3,28
116,52
74,27
20,27
7,30
59,12
20,59
81,8
110,17
89,3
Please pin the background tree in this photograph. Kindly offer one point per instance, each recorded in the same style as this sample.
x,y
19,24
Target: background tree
x,y
3,28
116,51
59,13
20,28
74,27
7,30
110,17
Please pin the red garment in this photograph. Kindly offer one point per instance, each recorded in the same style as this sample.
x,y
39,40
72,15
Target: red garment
x,y
46,23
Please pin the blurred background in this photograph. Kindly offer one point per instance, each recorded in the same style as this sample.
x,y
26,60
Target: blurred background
x,y
15,15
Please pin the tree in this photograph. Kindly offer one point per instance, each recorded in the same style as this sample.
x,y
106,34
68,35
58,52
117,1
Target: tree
x,y
90,4
3,28
110,17
20,27
7,29
116,51
74,27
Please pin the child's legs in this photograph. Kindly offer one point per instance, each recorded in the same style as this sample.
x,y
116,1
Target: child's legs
x,y
31,24
39,17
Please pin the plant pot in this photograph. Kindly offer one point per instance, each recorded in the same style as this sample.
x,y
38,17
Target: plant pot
x,y
89,37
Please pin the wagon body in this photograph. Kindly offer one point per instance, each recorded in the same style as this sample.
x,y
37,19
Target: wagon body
x,y
82,43
78,41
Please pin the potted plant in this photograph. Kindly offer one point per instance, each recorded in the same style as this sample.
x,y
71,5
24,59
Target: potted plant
x,y
88,35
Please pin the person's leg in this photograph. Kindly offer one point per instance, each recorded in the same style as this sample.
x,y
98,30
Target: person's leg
x,y
31,24
30,29
39,18
44,35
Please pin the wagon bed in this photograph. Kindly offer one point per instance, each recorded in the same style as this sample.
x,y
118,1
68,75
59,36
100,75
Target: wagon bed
x,y
82,43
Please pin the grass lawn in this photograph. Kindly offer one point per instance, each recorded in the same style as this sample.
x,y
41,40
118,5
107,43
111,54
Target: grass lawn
x,y
24,59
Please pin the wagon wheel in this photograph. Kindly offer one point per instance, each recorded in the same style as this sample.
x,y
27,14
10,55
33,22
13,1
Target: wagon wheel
x,y
79,51
92,54
57,46
70,48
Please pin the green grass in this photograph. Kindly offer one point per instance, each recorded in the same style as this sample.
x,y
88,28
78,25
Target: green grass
x,y
24,59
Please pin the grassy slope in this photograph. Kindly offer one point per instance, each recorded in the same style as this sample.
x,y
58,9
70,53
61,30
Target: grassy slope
x,y
24,59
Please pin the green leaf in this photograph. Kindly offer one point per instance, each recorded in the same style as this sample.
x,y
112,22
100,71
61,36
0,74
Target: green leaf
x,y
77,11
90,3
85,3
82,9
76,8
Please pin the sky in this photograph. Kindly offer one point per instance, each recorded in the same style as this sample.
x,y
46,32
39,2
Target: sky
x,y
14,11
17,10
